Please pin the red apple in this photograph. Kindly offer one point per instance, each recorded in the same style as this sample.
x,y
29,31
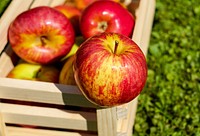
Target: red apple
x,y
72,13
35,72
67,74
106,16
41,35
110,69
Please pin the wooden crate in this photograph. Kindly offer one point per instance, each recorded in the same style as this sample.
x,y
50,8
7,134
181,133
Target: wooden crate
x,y
61,110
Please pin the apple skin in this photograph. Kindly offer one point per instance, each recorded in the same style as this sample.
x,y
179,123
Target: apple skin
x,y
41,35
78,41
110,69
67,74
35,72
72,13
106,16
82,4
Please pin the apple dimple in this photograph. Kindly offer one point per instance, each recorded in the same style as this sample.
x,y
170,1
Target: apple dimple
x,y
102,26
43,40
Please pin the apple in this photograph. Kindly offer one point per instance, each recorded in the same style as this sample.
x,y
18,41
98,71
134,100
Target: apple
x,y
35,72
106,16
72,13
82,4
110,69
41,35
78,41
67,74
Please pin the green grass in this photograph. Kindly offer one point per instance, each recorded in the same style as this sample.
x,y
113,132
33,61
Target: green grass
x,y
3,5
170,103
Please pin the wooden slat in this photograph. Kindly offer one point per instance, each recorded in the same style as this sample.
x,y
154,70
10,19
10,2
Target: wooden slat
x,y
139,24
48,117
42,92
16,131
107,122
14,9
6,64
7,61
57,2
148,22
3,130
125,124
132,109
37,3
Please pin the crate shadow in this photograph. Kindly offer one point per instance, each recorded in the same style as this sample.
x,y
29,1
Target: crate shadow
x,y
78,104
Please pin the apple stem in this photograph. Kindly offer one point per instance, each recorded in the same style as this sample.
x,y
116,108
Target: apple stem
x,y
38,73
43,38
116,46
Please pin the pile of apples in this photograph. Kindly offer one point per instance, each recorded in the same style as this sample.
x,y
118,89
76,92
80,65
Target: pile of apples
x,y
85,44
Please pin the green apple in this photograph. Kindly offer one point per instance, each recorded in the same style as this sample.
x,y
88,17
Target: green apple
x,y
35,72
78,41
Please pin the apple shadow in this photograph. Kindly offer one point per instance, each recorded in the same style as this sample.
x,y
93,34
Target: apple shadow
x,y
75,103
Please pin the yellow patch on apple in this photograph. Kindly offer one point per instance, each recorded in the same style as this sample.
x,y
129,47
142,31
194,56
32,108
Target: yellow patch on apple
x,y
53,39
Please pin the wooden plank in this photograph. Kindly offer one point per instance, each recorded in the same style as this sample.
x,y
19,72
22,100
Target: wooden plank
x,y
35,91
37,3
57,2
7,61
148,22
107,121
49,117
117,118
125,125
6,64
17,131
3,131
129,123
139,24
15,8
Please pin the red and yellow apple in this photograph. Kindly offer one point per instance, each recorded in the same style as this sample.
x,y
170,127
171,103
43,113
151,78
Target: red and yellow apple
x,y
41,35
67,74
35,72
110,69
72,13
106,16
